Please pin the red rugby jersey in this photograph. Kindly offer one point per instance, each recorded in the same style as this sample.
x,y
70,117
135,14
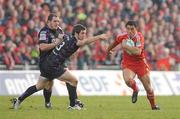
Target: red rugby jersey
x,y
139,42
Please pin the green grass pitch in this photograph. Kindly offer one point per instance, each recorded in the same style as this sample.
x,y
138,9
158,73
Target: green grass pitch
x,y
97,107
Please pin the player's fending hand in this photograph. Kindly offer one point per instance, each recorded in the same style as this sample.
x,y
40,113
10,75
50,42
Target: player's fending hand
x,y
59,39
110,52
104,36
60,36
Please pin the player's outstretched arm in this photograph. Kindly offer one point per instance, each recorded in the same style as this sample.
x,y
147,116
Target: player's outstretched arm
x,y
93,39
111,47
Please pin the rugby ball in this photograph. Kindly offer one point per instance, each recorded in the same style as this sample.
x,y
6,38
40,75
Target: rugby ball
x,y
130,42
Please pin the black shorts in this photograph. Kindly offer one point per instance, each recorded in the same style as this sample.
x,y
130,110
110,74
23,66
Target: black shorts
x,y
51,71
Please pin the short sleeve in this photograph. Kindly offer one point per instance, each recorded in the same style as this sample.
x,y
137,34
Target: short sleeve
x,y
43,37
119,38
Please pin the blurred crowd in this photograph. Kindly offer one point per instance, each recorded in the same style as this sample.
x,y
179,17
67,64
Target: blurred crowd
x,y
158,20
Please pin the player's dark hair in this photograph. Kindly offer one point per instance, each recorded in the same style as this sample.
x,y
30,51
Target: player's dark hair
x,y
131,23
51,15
78,28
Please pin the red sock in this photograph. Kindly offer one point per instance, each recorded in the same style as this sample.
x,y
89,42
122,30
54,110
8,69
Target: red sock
x,y
133,85
151,98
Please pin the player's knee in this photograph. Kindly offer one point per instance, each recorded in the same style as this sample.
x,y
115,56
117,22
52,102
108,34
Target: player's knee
x,y
50,85
127,82
39,86
48,88
75,82
149,89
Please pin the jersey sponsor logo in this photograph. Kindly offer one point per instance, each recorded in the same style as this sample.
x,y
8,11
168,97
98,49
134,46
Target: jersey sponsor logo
x,y
42,35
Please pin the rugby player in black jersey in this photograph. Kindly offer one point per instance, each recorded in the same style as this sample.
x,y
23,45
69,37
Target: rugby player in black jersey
x,y
49,37
53,65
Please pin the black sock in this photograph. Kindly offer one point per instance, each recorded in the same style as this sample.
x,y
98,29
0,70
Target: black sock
x,y
28,92
72,94
47,95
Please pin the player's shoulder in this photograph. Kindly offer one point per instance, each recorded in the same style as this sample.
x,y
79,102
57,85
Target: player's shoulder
x,y
43,33
44,30
139,35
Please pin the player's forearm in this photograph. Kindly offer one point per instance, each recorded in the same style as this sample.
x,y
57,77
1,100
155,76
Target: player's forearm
x,y
92,39
45,47
111,46
132,50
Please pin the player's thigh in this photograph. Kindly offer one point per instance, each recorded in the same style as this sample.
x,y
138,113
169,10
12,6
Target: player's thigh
x,y
68,76
128,74
146,82
42,82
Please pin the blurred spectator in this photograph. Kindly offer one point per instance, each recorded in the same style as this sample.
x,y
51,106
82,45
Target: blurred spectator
x,y
166,63
159,21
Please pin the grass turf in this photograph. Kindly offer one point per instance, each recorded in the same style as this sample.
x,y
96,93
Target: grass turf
x,y
97,107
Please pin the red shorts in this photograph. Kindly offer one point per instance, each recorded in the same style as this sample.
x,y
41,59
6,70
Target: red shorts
x,y
140,68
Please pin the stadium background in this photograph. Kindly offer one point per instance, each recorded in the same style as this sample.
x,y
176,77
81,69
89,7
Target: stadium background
x,y
158,20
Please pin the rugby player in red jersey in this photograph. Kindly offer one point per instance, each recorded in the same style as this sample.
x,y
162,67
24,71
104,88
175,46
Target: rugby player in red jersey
x,y
134,62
